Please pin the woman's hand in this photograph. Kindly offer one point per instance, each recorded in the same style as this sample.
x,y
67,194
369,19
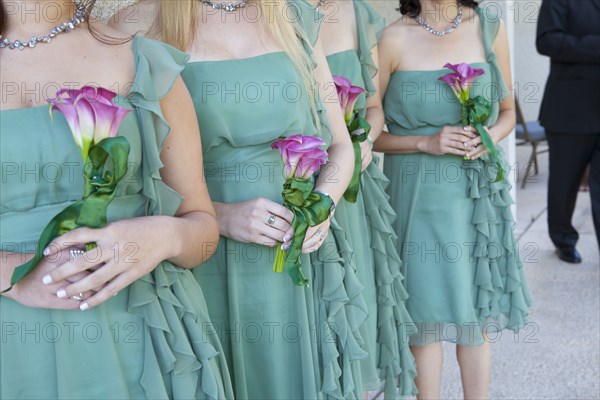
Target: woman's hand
x,y
32,292
449,140
126,250
476,147
315,236
260,221
366,154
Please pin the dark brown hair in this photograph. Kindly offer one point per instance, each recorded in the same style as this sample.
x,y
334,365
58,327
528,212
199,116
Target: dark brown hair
x,y
2,17
412,8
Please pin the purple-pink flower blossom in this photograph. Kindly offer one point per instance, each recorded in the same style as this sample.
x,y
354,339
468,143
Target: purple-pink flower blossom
x,y
90,113
347,94
302,156
461,79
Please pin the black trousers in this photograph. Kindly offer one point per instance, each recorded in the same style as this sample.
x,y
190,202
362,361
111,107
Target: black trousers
x,y
570,154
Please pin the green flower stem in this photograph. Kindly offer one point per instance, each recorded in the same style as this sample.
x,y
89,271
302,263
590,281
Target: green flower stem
x,y
359,129
279,259
309,209
478,110
100,187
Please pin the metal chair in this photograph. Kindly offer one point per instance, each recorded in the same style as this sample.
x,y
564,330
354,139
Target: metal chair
x,y
529,133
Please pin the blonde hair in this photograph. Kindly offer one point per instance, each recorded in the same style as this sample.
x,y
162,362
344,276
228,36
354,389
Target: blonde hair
x,y
176,25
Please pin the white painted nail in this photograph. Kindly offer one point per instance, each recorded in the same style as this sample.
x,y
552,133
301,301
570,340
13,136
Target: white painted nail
x,y
61,294
47,279
47,251
84,306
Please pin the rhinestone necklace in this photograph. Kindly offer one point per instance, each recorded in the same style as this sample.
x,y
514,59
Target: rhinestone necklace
x,y
455,23
318,6
229,7
74,22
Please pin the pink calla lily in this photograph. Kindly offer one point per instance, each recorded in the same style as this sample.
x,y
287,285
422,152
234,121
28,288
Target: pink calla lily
x,y
293,151
310,163
461,79
347,95
90,113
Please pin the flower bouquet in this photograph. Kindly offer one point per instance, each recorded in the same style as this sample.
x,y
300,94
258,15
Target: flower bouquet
x,y
358,128
302,156
475,111
94,121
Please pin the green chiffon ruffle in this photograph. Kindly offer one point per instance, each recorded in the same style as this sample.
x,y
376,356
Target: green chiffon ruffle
x,y
338,293
370,26
168,299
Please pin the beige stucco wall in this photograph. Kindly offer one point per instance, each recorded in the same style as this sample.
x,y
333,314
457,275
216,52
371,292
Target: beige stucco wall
x,y
531,69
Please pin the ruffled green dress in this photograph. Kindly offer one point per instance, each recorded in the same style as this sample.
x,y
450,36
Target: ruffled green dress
x,y
462,267
369,225
150,340
281,341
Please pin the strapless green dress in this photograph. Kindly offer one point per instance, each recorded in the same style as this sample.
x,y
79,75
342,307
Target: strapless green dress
x,y
369,225
147,342
281,341
462,267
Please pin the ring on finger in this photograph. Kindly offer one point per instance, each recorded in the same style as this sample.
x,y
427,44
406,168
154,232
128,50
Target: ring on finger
x,y
74,253
320,234
271,220
77,297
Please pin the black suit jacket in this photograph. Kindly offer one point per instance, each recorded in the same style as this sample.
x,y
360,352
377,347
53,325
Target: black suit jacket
x,y
568,32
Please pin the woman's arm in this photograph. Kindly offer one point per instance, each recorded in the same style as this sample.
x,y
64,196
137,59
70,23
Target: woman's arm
x,y
386,142
374,105
507,116
131,248
336,174
374,116
195,231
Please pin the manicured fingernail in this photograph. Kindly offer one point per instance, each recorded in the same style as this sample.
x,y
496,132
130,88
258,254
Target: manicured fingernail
x,y
84,306
287,238
47,251
115,294
61,294
47,279
285,246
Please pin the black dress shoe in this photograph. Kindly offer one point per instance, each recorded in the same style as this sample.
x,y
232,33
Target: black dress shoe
x,y
569,254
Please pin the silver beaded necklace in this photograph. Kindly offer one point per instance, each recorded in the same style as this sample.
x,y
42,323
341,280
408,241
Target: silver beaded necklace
x,y
74,22
455,23
319,5
229,7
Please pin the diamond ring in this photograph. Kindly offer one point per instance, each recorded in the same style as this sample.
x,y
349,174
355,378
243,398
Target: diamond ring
x,y
77,297
74,253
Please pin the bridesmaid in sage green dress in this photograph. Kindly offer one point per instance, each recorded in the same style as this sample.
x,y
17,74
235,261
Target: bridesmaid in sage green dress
x,y
147,340
351,48
462,268
249,88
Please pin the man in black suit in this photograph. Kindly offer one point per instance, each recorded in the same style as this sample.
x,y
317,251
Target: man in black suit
x,y
568,32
